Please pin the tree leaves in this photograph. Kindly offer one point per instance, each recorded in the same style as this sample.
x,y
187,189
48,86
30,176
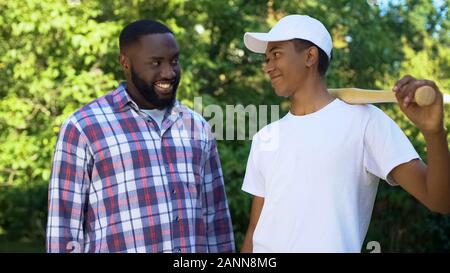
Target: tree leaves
x,y
56,56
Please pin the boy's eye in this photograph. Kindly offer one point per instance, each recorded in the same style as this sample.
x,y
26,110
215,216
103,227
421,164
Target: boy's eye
x,y
175,61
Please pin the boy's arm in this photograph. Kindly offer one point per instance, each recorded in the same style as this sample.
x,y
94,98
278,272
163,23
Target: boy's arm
x,y
257,205
429,184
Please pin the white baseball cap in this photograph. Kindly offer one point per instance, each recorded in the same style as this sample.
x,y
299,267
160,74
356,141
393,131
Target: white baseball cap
x,y
288,28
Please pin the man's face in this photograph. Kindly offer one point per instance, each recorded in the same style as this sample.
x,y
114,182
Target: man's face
x,y
285,67
154,70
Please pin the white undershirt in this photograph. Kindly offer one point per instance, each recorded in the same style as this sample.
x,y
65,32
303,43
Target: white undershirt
x,y
156,114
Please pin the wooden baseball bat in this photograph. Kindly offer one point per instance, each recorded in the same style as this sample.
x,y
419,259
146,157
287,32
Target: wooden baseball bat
x,y
424,96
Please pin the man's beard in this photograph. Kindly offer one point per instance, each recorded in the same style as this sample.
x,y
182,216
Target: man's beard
x,y
149,93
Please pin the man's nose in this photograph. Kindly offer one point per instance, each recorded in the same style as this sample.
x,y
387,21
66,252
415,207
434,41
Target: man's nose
x,y
168,72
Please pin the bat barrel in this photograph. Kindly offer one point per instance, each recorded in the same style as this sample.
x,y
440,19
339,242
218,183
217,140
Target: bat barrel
x,y
424,95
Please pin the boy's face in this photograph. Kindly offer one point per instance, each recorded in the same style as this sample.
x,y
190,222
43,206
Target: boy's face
x,y
285,67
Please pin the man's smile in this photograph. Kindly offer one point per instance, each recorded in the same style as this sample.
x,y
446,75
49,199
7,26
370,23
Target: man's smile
x,y
164,86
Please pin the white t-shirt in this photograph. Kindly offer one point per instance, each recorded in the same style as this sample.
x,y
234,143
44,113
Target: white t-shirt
x,y
319,174
156,114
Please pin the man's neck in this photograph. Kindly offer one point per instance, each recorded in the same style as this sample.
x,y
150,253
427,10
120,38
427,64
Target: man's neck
x,y
310,97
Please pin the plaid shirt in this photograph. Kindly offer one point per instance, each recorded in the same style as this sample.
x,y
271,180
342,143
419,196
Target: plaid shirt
x,y
120,184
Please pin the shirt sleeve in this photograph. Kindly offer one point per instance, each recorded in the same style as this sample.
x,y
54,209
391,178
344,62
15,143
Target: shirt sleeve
x,y
253,179
70,177
219,230
385,146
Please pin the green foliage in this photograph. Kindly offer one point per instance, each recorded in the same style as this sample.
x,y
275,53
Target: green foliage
x,y
56,56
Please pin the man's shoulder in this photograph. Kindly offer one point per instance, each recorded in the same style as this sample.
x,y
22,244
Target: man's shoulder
x,y
193,123
188,113
99,106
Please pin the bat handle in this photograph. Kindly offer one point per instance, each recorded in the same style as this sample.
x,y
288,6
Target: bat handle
x,y
425,96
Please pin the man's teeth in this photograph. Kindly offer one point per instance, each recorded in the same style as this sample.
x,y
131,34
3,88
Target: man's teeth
x,y
163,85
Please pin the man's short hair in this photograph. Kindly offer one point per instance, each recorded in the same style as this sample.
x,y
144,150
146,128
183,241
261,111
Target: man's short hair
x,y
132,32
301,44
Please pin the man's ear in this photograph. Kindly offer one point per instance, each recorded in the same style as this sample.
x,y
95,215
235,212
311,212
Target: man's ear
x,y
124,61
311,56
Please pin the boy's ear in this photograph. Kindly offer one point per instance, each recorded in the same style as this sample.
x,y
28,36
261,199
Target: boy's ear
x,y
312,56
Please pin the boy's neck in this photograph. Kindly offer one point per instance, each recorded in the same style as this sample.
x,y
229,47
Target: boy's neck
x,y
310,97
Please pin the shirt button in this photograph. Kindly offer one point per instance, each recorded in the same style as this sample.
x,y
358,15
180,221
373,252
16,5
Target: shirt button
x,y
177,219
178,250
174,191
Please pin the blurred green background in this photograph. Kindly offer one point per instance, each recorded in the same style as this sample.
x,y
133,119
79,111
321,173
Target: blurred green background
x,y
56,56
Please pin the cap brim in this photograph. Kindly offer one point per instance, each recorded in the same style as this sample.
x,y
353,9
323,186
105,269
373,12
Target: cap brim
x,y
257,41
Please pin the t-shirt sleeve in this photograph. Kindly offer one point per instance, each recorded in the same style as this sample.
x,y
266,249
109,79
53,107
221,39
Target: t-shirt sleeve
x,y
253,180
385,145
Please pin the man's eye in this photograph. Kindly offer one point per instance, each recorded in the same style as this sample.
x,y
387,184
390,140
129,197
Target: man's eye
x,y
175,61
155,63
276,54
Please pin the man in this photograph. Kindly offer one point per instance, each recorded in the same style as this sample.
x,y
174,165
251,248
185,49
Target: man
x,y
314,173
136,171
